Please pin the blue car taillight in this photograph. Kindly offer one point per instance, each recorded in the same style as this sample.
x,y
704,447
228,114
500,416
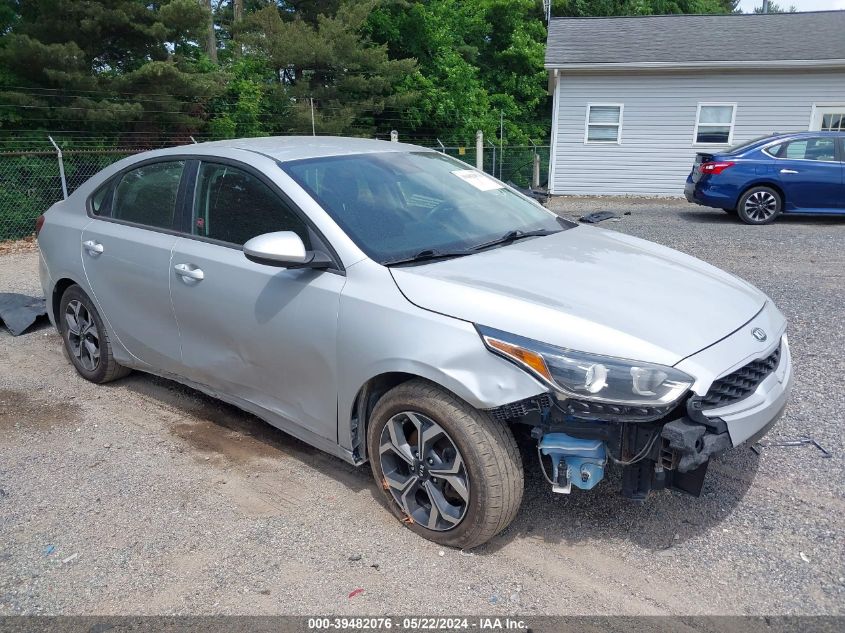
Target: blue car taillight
x,y
714,167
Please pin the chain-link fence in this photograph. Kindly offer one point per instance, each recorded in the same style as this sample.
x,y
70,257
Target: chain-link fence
x,y
523,165
31,181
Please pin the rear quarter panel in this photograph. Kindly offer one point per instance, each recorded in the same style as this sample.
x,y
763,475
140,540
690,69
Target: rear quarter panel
x,y
60,251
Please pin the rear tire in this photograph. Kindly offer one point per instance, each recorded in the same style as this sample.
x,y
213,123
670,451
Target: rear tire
x,y
759,205
85,338
460,445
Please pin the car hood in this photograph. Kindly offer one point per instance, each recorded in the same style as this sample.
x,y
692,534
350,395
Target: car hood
x,y
589,289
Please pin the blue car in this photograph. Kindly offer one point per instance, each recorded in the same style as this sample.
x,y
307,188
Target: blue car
x,y
794,173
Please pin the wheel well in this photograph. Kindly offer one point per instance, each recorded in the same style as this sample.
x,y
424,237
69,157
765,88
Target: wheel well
x,y
766,183
58,291
365,401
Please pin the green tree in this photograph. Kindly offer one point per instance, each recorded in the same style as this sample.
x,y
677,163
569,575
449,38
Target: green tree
x,y
105,66
589,8
328,59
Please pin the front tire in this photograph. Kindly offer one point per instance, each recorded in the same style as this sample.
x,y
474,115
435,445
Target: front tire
x,y
448,471
85,338
759,205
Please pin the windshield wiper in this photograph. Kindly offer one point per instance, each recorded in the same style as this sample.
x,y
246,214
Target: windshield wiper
x,y
429,254
512,236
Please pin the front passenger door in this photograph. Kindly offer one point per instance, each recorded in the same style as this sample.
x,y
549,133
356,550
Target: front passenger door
x,y
259,333
810,174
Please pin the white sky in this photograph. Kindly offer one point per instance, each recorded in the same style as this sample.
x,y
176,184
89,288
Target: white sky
x,y
802,5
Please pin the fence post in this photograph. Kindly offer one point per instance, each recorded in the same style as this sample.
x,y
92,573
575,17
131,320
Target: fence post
x,y
479,150
493,171
535,174
394,136
61,166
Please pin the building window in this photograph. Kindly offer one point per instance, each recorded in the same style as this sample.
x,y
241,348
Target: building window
x,y
714,123
604,123
833,121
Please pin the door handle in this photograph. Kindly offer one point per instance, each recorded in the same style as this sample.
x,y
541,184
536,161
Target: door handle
x,y
185,270
788,171
94,248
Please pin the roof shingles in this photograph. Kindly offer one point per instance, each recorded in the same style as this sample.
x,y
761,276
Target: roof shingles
x,y
696,38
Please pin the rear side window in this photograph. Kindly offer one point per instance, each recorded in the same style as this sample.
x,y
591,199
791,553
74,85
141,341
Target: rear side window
x,y
147,195
823,149
232,205
101,199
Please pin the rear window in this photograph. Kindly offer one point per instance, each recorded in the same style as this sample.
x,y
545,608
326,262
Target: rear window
x,y
101,200
738,149
147,195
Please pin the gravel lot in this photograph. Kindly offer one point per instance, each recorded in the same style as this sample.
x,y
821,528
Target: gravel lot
x,y
145,497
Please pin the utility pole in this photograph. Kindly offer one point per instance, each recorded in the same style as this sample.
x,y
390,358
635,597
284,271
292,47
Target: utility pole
x,y
313,127
501,141
479,150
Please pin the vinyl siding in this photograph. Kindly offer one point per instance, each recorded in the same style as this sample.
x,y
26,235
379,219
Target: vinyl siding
x,y
656,150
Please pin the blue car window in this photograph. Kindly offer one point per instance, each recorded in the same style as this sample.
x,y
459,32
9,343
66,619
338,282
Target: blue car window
x,y
822,149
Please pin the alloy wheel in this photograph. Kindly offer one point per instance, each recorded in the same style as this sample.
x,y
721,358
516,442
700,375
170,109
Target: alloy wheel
x,y
760,205
424,471
82,335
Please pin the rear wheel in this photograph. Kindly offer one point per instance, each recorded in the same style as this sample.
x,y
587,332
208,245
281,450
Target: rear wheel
x,y
85,338
759,205
448,471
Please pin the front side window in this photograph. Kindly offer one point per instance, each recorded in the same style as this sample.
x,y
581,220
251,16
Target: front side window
x,y
604,123
396,205
714,123
147,195
823,149
232,205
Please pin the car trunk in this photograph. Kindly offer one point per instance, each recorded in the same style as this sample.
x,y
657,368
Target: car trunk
x,y
700,158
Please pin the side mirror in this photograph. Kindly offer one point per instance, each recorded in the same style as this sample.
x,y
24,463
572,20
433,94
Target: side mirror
x,y
285,250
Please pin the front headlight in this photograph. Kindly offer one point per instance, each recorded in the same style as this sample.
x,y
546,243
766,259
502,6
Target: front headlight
x,y
590,377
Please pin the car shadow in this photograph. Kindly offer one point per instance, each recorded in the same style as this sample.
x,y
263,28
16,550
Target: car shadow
x,y
235,438
667,518
715,216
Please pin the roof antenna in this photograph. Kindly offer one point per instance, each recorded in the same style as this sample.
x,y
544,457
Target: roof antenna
x,y
547,9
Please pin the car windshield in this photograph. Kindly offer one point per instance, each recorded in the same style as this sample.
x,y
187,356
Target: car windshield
x,y
397,205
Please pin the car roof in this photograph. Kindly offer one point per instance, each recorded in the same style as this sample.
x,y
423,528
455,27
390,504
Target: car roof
x,y
289,148
781,135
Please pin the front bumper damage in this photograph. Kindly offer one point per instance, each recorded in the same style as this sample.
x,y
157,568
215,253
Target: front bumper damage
x,y
672,452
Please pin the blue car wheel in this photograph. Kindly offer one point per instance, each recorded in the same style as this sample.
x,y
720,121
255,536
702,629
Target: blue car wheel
x,y
759,205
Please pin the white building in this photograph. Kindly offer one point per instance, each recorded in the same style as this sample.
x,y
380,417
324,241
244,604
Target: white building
x,y
634,98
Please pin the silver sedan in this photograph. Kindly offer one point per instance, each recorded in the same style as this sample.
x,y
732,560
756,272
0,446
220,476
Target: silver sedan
x,y
386,303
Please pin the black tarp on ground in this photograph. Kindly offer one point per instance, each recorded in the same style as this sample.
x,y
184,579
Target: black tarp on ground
x,y
19,312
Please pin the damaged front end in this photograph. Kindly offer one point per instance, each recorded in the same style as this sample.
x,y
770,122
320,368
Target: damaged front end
x,y
670,452
645,418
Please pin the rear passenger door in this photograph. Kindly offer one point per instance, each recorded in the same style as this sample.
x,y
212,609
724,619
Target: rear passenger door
x,y
126,256
810,173
263,334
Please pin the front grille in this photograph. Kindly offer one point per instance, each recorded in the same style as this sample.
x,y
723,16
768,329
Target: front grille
x,y
736,386
516,410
